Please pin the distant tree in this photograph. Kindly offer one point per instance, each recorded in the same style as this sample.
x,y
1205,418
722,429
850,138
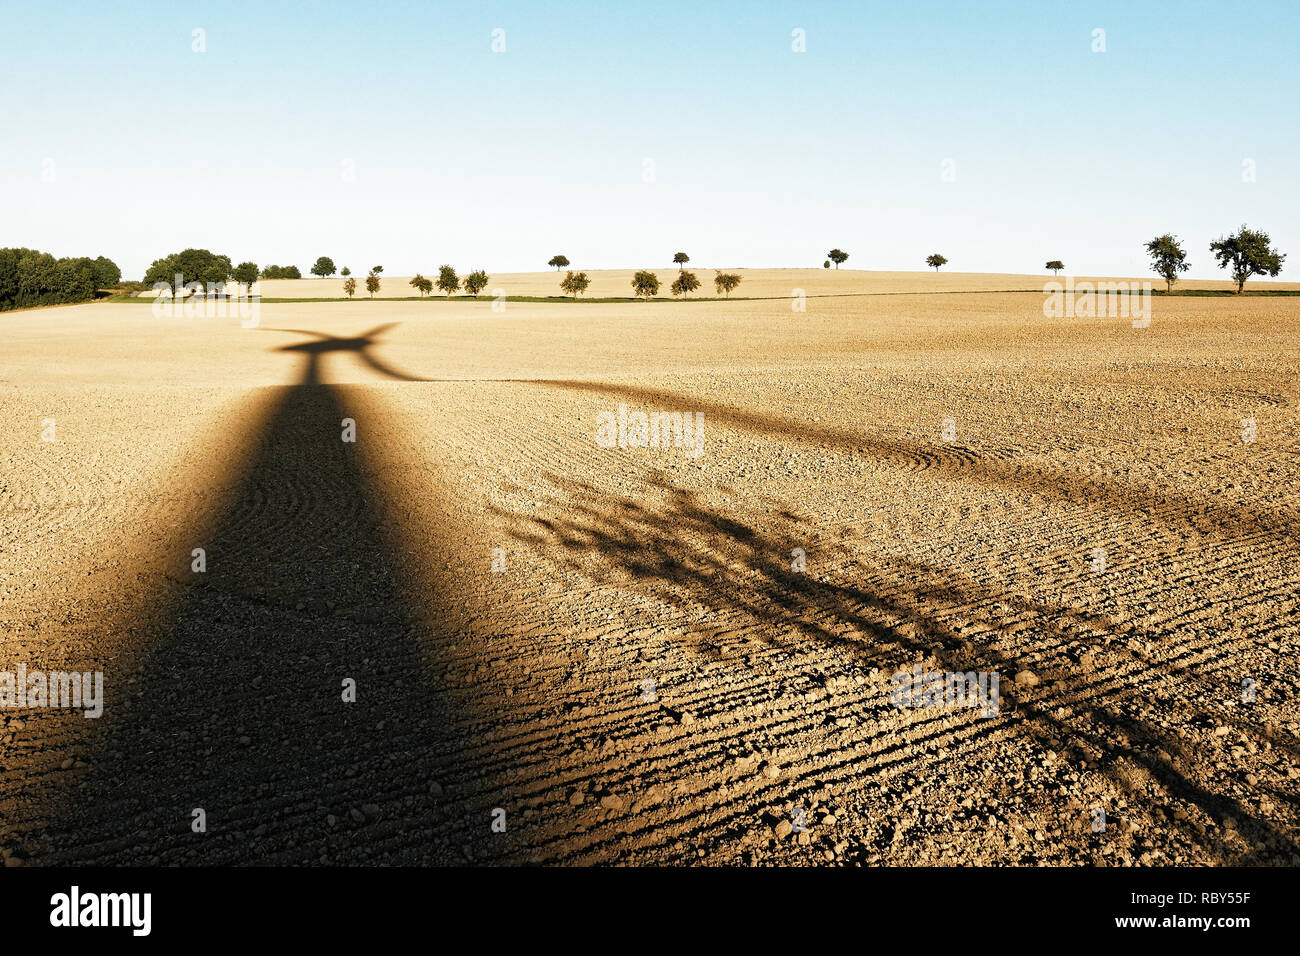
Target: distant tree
x,y
685,284
1056,265
324,267
680,260
1168,259
837,256
645,285
575,283
724,282
9,259
291,272
1247,252
74,279
246,272
29,278
935,261
192,265
377,270
448,281
350,287
372,284
107,274
418,282
559,262
346,272
826,264
476,282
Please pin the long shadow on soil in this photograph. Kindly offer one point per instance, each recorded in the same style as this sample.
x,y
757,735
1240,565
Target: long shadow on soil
x,y
238,710
907,610
1167,506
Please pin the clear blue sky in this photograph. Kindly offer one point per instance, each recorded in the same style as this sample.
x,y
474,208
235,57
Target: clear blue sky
x,y
762,156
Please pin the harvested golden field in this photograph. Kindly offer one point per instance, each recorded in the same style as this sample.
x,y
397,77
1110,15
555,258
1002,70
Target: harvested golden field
x,y
655,655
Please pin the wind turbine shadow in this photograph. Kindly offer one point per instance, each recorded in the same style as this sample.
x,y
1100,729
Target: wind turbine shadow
x,y
289,705
360,346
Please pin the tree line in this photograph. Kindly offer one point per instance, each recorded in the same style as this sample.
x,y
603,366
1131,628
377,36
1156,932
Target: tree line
x,y
30,278
645,284
1244,253
449,282
212,269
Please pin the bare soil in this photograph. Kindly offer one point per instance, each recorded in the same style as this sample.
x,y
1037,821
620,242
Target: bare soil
x,y
651,675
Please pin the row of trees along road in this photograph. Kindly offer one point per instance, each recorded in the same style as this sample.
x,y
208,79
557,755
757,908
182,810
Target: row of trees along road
x,y
645,284
449,282
28,277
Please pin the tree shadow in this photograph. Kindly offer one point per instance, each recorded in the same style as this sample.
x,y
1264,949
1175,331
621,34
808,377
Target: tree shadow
x,y
687,554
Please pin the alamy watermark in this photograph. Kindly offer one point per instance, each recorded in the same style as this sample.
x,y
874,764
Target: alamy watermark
x,y
126,910
974,689
1098,299
24,688
684,430
217,300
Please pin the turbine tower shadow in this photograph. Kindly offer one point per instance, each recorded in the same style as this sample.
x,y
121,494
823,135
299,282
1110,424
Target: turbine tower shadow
x,y
237,717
